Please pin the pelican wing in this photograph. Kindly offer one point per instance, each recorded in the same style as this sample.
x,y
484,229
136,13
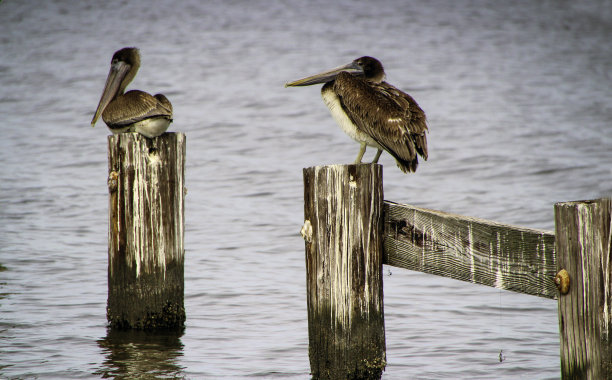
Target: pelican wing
x,y
414,119
134,106
391,117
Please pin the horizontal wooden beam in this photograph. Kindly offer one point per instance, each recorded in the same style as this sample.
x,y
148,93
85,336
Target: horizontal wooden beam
x,y
469,249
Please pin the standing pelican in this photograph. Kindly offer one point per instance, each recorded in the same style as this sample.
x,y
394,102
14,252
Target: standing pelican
x,y
133,111
373,112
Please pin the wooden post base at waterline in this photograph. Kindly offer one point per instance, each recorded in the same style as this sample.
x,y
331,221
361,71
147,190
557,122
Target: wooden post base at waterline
x,y
146,231
343,230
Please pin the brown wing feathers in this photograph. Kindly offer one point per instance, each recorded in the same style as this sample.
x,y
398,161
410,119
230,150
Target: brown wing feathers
x,y
391,117
138,105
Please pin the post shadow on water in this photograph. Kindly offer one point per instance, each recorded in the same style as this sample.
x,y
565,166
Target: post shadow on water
x,y
135,354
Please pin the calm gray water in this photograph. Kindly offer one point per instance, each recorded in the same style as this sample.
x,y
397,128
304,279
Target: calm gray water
x,y
519,99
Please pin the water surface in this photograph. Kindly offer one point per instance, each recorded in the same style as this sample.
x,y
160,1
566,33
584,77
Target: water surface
x,y
519,106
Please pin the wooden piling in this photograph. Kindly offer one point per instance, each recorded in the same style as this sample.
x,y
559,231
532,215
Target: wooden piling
x,y
343,232
583,250
146,229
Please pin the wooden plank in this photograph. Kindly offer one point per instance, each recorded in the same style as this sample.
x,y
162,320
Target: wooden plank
x,y
470,249
583,249
343,233
146,231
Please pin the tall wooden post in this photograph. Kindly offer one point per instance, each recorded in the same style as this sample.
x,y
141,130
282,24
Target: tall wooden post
x,y
146,229
343,232
583,250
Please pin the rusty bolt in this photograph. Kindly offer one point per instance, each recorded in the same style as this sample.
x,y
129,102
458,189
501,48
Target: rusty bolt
x,y
562,280
306,231
112,181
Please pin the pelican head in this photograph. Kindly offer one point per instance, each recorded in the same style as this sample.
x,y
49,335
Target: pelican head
x,y
124,65
366,67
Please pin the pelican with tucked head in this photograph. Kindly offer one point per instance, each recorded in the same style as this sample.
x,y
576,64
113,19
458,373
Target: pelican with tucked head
x,y
373,112
135,110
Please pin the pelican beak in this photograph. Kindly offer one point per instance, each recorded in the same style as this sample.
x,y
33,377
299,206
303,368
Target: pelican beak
x,y
327,76
117,73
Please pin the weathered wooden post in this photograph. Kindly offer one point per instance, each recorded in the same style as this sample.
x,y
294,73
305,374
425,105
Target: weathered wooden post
x,y
145,239
343,232
583,251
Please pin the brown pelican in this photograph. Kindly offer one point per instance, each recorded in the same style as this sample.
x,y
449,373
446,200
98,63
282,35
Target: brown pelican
x,y
373,112
133,111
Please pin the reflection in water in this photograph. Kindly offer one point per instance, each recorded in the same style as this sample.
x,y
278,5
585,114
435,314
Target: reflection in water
x,y
2,284
141,354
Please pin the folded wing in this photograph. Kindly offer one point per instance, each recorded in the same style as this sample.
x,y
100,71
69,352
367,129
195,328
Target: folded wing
x,y
135,106
391,117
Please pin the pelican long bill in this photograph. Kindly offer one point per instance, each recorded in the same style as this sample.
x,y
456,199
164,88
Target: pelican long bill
x,y
116,75
327,76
